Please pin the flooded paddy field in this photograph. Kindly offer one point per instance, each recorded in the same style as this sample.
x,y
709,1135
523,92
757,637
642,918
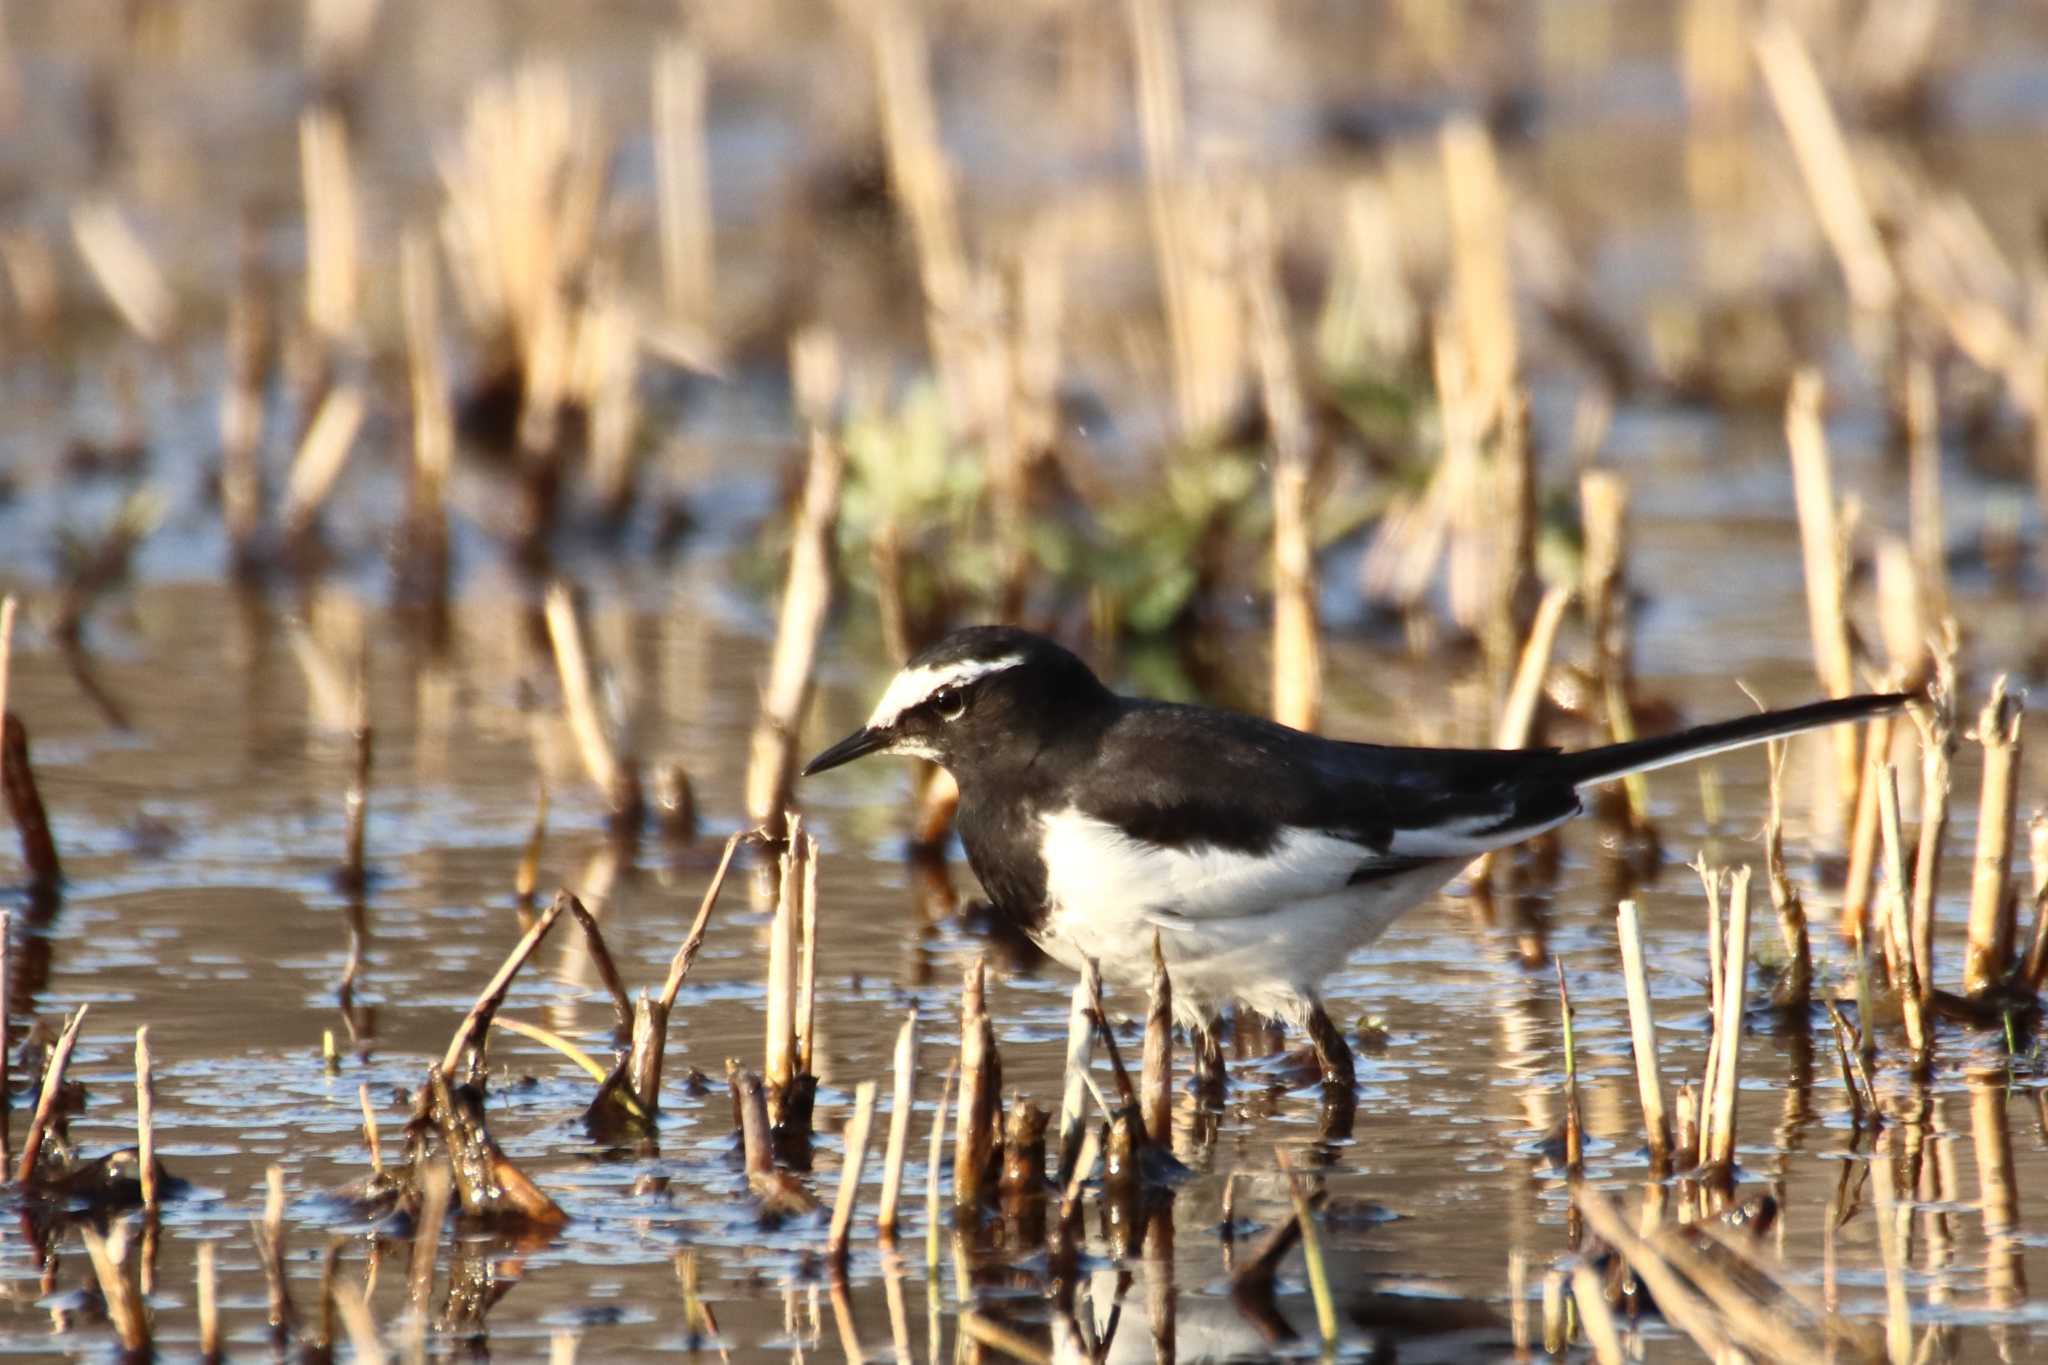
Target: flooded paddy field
x,y
199,686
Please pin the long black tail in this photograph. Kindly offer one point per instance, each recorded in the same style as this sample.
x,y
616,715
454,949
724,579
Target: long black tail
x,y
1642,755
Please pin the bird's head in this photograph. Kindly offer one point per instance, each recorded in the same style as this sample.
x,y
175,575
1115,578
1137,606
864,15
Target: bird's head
x,y
980,694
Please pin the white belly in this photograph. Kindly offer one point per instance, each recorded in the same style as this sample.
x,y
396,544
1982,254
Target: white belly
x,y
1264,930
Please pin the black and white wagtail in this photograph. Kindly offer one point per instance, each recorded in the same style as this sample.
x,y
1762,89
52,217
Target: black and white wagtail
x,y
1262,856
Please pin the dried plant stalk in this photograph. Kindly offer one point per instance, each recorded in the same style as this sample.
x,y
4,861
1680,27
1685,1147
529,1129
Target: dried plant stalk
x,y
333,256
354,875
1687,1309
25,804
209,1303
1080,1055
902,1102
361,1325
2035,969
474,1025
124,1305
269,1230
8,609
1204,318
1595,1317
124,268
849,1175
1482,299
1827,609
1797,988
935,1151
433,420
918,169
1155,1086
1936,723
682,179
974,1136
1574,1119
1907,967
807,590
1297,647
145,1118
1603,501
1825,162
1864,838
807,963
1642,1024
780,1057
1892,1220
686,955
1923,481
612,774
1518,711
1901,609
1988,957
1717,1129
46,1099
242,407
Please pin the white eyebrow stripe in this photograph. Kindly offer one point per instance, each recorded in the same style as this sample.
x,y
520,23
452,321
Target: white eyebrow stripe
x,y
913,685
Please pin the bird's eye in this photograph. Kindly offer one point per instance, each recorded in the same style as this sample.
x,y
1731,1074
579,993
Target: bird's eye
x,y
949,702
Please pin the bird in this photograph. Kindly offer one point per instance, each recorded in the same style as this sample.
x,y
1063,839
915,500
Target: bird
x,y
1258,857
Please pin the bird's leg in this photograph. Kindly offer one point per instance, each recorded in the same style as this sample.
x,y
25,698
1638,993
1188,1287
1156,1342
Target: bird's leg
x,y
1333,1054
1205,1041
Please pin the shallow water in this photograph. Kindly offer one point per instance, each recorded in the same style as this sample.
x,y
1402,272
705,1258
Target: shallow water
x,y
200,842
194,760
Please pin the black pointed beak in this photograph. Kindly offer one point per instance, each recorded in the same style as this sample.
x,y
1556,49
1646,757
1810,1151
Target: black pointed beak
x,y
862,741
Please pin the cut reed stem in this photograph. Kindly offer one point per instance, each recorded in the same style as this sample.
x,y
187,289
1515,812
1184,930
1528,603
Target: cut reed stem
x,y
1988,958
1717,1135
1297,647
124,1305
322,453
686,955
807,963
1865,838
209,1303
1825,162
1827,611
1080,1055
46,1100
1907,982
1155,1085
470,1032
616,777
683,181
424,562
2035,968
780,1056
807,588
1642,1024
284,1317
902,1101
1595,1317
934,1157
1796,988
850,1176
1574,1121
975,1133
1936,723
145,1118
